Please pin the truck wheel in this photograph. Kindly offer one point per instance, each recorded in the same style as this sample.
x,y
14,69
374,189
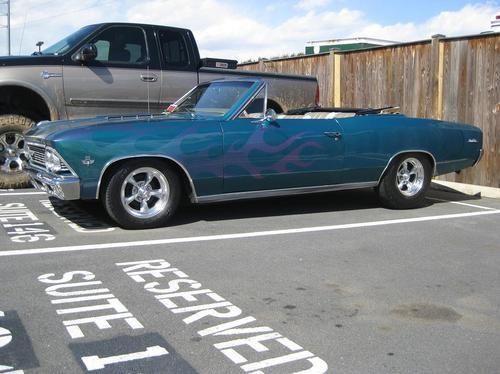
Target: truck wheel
x,y
13,151
406,182
142,194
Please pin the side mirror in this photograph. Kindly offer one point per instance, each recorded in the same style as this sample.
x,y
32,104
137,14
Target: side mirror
x,y
86,54
270,115
268,118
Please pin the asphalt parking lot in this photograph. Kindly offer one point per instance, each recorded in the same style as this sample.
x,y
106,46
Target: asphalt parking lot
x,y
322,283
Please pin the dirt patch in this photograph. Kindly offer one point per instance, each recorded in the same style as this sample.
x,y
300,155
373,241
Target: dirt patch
x,y
427,312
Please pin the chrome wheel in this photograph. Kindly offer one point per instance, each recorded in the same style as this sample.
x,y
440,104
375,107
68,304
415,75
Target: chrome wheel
x,y
12,152
410,177
145,192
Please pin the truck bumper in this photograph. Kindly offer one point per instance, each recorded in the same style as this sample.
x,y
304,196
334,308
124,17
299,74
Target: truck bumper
x,y
62,187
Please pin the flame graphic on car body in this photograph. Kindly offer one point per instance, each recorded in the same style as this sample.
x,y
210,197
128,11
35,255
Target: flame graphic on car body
x,y
256,149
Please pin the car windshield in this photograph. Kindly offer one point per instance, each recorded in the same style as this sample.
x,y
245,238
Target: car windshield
x,y
70,41
212,99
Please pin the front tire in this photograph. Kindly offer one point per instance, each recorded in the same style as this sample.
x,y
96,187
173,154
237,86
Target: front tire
x,y
13,151
142,194
406,182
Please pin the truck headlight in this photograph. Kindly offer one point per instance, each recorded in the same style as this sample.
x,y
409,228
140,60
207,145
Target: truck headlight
x,y
52,161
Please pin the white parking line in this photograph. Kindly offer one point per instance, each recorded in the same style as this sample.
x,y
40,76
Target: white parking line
x,y
460,203
23,193
144,243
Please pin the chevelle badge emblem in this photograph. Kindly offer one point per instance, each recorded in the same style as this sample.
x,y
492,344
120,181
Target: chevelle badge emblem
x,y
87,161
472,140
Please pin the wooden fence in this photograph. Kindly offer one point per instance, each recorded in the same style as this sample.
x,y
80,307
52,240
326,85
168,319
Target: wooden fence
x,y
455,79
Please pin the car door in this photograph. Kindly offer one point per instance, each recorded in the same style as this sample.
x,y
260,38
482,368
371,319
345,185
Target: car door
x,y
281,154
123,78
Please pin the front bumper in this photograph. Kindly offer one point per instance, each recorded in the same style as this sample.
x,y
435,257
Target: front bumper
x,y
62,187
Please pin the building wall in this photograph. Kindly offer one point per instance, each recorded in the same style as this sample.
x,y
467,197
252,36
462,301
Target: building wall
x,y
346,47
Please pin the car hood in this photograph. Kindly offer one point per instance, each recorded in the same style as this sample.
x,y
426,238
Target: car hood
x,y
48,130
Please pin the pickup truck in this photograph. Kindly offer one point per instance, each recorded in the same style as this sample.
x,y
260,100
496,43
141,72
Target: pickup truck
x,y
114,68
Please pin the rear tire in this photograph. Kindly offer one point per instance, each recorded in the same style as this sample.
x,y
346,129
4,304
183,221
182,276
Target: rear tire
x,y
142,194
406,182
13,151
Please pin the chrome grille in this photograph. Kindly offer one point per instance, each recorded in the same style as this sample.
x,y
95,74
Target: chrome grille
x,y
37,154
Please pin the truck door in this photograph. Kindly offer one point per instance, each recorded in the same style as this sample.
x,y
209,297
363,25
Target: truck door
x,y
123,78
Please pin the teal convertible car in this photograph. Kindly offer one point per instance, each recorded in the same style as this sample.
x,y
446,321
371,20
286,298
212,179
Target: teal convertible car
x,y
218,142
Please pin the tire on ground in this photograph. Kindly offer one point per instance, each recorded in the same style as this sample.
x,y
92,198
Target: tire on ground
x,y
119,187
12,149
393,191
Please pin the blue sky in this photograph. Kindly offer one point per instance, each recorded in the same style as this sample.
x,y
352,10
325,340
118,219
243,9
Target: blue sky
x,y
252,29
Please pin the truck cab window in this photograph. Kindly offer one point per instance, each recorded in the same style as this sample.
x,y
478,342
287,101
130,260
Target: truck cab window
x,y
121,44
174,49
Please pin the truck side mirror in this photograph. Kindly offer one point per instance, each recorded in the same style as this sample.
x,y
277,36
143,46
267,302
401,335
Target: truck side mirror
x,y
86,54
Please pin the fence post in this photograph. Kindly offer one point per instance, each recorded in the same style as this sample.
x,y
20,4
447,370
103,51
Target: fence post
x,y
437,68
337,102
262,66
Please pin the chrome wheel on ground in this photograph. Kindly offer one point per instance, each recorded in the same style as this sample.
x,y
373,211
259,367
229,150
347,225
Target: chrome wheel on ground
x,y
142,193
410,177
145,192
13,150
406,181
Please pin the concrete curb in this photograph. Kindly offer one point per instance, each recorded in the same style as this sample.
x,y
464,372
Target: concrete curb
x,y
470,189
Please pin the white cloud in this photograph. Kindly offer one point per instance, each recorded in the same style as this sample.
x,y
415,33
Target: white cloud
x,y
235,31
311,4
226,32
471,19
468,20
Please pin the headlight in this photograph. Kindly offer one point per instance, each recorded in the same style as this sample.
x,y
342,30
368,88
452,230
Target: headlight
x,y
52,162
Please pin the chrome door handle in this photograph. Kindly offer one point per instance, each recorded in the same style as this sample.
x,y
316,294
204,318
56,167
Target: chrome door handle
x,y
334,135
149,78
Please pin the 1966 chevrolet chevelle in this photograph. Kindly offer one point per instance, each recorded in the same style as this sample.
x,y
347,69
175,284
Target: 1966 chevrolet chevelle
x,y
219,143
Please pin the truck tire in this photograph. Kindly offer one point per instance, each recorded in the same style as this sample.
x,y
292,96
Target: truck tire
x,y
12,150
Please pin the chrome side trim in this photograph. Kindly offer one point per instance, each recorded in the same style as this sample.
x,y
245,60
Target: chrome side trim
x,y
481,154
282,192
87,102
114,160
408,151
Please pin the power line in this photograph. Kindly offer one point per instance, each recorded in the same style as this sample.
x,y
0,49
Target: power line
x,y
68,12
7,3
